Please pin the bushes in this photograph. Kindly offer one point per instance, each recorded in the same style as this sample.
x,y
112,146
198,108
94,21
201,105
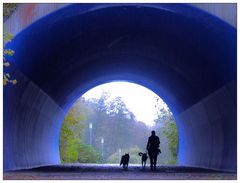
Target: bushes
x,y
133,152
72,148
170,131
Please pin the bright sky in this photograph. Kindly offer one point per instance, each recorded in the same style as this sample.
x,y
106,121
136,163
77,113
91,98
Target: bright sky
x,y
138,99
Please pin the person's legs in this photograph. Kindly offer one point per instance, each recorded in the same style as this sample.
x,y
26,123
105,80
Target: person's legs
x,y
151,162
155,162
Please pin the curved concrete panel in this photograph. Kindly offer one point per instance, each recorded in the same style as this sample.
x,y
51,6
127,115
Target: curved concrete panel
x,y
210,128
28,13
30,117
184,55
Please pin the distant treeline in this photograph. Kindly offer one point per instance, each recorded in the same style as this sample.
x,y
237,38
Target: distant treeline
x,y
112,121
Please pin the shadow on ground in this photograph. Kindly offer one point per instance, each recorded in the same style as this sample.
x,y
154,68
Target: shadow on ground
x,y
115,172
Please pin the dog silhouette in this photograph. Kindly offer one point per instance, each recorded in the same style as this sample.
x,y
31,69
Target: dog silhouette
x,y
125,160
144,159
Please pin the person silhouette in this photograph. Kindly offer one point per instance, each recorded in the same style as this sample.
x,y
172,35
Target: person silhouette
x,y
153,149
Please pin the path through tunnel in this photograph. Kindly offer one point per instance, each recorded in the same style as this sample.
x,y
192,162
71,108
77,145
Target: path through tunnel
x,y
184,55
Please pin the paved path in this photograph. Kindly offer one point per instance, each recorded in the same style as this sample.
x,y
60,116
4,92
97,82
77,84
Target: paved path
x,y
114,172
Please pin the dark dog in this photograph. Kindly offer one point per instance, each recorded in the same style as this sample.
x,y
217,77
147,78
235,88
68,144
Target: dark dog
x,y
125,161
144,159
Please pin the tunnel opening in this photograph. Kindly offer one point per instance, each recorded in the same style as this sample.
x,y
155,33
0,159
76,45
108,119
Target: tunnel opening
x,y
115,118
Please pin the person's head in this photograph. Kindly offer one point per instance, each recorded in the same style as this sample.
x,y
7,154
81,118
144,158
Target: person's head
x,y
153,133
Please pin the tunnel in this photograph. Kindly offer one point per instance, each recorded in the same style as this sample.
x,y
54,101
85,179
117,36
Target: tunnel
x,y
185,55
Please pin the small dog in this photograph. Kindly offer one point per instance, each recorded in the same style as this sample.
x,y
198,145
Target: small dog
x,y
144,159
125,160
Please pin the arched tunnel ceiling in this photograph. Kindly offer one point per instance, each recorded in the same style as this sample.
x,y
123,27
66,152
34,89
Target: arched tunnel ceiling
x,y
174,44
26,14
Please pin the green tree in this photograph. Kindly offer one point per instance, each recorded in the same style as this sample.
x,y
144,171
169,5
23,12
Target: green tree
x,y
72,148
7,37
111,120
167,130
8,9
170,131
87,154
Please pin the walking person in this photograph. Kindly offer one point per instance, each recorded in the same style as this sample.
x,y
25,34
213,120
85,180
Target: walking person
x,y
153,149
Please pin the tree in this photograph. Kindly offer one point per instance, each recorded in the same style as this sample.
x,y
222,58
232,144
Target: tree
x,y
7,37
72,147
167,130
112,121
170,131
8,9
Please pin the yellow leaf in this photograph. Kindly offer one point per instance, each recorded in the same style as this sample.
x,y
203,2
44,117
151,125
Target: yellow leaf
x,y
6,64
14,81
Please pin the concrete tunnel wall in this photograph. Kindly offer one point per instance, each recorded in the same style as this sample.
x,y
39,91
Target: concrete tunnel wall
x,y
30,118
184,55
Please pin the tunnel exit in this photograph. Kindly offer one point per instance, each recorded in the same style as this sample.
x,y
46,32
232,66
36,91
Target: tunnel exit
x,y
116,118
